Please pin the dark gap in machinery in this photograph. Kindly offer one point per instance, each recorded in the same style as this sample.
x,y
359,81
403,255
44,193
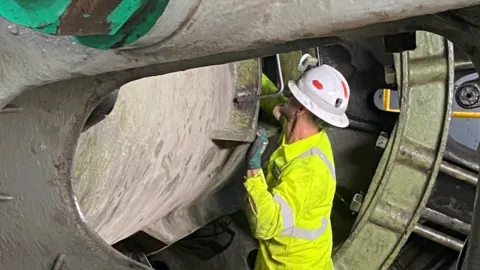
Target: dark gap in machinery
x,y
140,242
419,253
101,111
225,243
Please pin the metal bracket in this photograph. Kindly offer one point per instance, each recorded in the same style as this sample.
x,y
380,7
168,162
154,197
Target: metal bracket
x,y
240,99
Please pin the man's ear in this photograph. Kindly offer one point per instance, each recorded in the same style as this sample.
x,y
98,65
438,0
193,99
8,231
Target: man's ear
x,y
302,110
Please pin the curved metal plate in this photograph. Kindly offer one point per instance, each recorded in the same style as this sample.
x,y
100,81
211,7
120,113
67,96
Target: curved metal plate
x,y
41,226
41,218
409,166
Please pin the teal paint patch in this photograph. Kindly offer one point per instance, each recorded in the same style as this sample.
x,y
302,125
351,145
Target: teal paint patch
x,y
86,15
122,13
129,32
42,15
49,29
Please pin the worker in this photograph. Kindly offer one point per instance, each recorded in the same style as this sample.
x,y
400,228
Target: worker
x,y
289,207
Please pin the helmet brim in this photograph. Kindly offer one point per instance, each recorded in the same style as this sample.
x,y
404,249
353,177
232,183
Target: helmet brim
x,y
338,120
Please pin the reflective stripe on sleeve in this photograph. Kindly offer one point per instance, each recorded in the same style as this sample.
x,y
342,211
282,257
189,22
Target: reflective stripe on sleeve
x,y
312,151
287,213
305,233
289,228
319,153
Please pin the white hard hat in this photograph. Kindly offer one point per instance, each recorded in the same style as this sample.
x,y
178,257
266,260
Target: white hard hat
x,y
324,92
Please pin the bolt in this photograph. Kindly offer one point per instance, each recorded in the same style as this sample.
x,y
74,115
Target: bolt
x,y
13,29
468,95
5,197
10,108
382,141
357,202
59,262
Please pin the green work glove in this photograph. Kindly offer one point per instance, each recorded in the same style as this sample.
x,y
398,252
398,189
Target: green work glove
x,y
254,154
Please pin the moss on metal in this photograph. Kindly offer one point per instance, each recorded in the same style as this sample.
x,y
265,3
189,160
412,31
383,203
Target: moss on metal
x,y
289,62
84,162
246,78
246,74
242,119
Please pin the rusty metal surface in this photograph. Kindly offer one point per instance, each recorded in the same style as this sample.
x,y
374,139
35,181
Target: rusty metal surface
x,y
86,17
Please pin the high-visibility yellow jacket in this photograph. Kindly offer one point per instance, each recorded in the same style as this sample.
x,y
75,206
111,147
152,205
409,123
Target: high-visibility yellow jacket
x,y
289,209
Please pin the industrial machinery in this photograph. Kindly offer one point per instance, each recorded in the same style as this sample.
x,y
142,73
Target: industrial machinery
x,y
125,124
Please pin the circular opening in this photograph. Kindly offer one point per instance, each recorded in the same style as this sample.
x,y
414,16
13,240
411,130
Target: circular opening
x,y
101,111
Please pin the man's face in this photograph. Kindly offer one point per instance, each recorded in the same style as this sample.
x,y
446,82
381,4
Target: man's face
x,y
290,108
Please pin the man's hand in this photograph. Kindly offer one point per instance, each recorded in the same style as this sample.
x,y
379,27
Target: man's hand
x,y
254,154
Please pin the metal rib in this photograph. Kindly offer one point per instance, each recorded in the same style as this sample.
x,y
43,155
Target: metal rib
x,y
458,173
446,221
438,237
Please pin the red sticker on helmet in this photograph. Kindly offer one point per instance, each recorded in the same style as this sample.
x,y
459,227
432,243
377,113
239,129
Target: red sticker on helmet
x,y
317,84
345,91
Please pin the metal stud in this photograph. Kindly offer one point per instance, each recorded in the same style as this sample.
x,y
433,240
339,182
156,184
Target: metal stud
x,y
59,262
11,108
5,197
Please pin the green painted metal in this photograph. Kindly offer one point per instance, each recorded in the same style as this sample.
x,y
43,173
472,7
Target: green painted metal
x,y
46,16
410,163
130,32
40,15
122,13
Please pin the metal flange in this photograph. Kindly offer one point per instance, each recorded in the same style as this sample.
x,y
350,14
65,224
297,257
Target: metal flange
x,y
411,161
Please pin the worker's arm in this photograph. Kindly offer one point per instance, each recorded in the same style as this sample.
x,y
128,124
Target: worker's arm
x,y
269,105
271,213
